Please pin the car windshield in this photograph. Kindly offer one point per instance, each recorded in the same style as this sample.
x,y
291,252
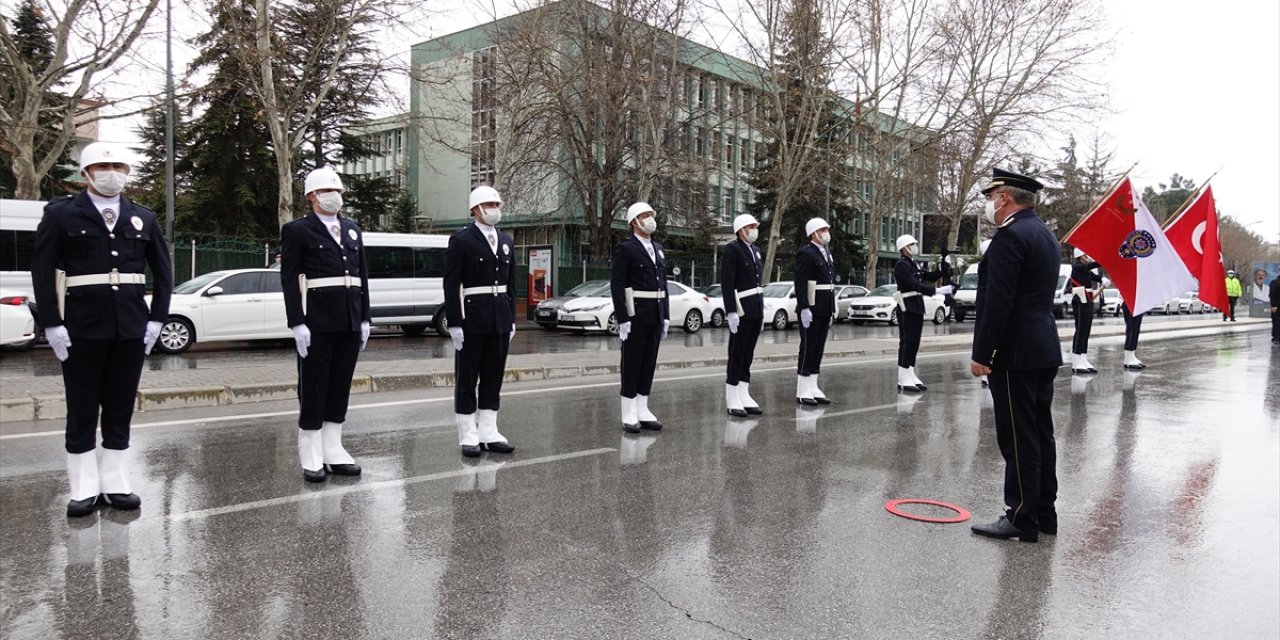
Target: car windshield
x,y
1111,294
777,290
885,290
969,281
588,288
197,283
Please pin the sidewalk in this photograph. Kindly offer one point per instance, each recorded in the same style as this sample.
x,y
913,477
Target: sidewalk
x,y
42,398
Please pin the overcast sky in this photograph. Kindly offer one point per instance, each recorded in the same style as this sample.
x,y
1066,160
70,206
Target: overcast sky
x,y
1195,88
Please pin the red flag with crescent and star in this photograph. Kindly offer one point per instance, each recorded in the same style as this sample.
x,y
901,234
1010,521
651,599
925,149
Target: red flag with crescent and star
x,y
1194,234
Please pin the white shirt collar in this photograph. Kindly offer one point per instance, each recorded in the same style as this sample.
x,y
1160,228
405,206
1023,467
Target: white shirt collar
x,y
484,228
648,242
102,202
326,218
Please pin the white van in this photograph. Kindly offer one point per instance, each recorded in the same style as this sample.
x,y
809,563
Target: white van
x,y
406,280
18,222
967,293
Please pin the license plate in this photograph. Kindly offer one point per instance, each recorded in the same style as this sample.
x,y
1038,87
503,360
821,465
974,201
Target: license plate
x,y
546,314
862,313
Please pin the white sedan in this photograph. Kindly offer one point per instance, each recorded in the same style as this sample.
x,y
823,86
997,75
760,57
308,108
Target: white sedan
x,y
880,307
240,304
689,309
1190,303
17,324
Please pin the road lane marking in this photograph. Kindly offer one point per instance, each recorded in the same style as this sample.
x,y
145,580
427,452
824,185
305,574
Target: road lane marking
x,y
850,412
372,486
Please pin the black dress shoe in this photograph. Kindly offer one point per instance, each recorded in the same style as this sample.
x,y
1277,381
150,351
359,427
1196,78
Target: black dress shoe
x,y
471,451
651,425
1004,530
631,428
822,400
498,447
909,387
1135,367
809,402
317,475
121,501
738,413
81,508
755,411
343,469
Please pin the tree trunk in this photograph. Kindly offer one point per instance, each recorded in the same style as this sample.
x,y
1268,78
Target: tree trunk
x,y
27,185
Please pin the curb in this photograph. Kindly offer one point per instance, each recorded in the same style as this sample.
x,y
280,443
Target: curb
x,y
54,407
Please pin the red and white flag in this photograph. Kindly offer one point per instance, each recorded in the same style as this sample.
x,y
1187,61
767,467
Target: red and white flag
x,y
1194,235
1122,236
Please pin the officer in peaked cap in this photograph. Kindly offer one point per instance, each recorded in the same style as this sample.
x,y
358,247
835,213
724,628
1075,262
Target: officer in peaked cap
x,y
1015,343
638,285
815,278
741,274
88,274
480,307
326,298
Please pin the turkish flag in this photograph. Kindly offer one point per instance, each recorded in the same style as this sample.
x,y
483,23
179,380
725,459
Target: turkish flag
x,y
1121,235
1194,234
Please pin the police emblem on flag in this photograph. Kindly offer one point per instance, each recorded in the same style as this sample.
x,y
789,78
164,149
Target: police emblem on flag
x,y
1138,244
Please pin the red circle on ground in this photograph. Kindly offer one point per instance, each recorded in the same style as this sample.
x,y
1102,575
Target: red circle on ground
x,y
892,507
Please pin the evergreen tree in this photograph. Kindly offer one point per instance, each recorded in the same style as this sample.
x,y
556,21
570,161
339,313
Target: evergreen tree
x,y
35,44
147,180
404,216
371,202
1165,202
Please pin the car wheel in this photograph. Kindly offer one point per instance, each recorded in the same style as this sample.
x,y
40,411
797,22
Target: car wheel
x,y
442,324
893,318
612,325
940,315
413,329
959,315
780,320
717,318
692,321
1060,311
176,336
858,323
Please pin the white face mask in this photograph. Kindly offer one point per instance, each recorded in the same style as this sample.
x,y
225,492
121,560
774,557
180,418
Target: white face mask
x,y
109,183
492,216
824,237
649,225
909,250
990,214
330,203
751,235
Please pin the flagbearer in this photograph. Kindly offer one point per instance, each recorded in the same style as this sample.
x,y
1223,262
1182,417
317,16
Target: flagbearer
x,y
815,278
480,307
326,301
911,287
1015,343
638,285
1084,286
87,270
741,274
1132,327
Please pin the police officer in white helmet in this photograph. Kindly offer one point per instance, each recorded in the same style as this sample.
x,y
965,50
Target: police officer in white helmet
x,y
88,272
741,279
912,284
323,271
480,308
815,277
638,286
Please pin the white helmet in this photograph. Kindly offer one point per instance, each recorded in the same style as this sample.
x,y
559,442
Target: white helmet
x,y
815,224
102,152
322,178
636,209
982,247
481,195
742,221
1077,253
905,240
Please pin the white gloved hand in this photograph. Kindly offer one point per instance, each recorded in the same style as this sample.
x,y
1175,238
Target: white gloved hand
x,y
945,290
623,330
364,334
806,317
150,337
456,334
733,322
59,340
666,324
302,338
513,332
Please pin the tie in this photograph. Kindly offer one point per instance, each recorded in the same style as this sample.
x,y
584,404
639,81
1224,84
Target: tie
x,y
109,215
493,243
333,231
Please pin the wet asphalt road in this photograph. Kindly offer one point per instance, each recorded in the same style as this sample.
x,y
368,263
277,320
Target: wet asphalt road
x,y
1169,515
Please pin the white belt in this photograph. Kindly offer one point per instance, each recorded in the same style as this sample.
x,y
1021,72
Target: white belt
x,y
814,288
630,295
490,289
901,298
113,278
747,293
336,281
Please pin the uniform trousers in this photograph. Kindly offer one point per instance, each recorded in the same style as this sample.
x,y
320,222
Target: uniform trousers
x,y
101,374
742,350
1023,400
640,358
1275,326
483,357
1230,311
813,341
1083,314
324,378
1132,327
910,327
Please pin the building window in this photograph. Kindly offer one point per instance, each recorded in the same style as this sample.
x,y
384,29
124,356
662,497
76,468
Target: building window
x,y
483,115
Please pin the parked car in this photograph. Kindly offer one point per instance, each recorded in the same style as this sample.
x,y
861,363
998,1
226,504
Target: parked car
x,y
1062,300
1111,302
237,304
879,306
689,309
17,320
546,314
1190,302
780,304
712,292
845,295
966,295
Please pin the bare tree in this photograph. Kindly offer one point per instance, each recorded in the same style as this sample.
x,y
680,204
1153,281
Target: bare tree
x,y
89,38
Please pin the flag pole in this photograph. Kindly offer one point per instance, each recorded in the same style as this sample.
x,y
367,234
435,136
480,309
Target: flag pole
x,y
1191,198
1101,200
